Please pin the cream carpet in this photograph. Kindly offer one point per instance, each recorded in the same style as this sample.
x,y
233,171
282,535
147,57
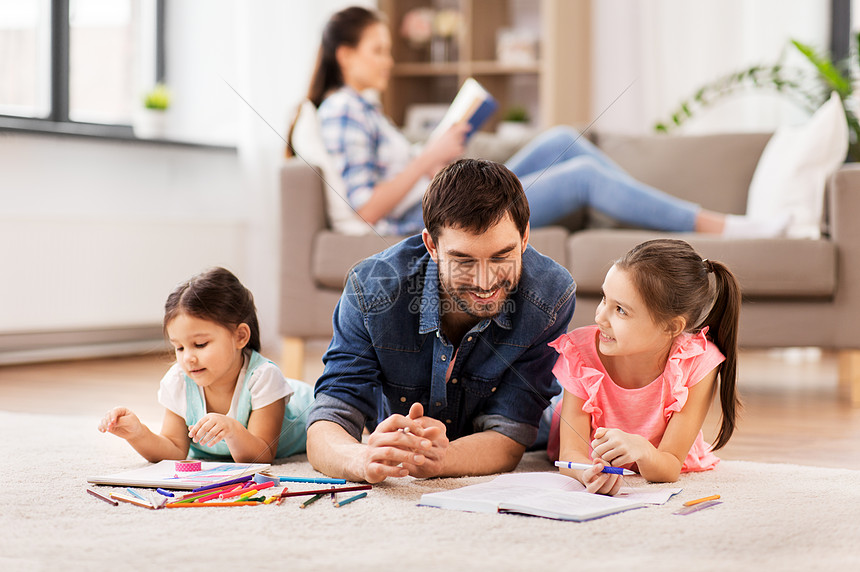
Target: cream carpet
x,y
782,517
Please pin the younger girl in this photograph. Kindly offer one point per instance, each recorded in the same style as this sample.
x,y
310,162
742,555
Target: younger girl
x,y
639,383
222,398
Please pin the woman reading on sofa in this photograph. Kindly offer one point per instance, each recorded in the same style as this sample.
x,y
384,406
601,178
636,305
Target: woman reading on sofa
x,y
560,170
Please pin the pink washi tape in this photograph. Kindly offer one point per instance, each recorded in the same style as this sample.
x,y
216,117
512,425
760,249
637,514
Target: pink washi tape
x,y
187,466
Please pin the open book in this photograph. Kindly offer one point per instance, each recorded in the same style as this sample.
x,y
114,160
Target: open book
x,y
473,104
164,475
550,495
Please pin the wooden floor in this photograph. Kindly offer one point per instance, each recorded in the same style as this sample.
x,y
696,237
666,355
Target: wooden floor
x,y
792,410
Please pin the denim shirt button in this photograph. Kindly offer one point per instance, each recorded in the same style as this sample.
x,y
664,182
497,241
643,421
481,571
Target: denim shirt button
x,y
438,404
469,339
448,421
444,357
454,380
493,390
402,400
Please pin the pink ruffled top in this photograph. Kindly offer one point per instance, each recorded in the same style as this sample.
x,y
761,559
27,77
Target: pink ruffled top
x,y
644,411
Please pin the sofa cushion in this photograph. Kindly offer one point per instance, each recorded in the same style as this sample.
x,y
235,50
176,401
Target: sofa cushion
x,y
334,254
710,170
794,168
772,268
308,145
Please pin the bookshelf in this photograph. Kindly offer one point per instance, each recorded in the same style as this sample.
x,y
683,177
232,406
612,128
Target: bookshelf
x,y
553,85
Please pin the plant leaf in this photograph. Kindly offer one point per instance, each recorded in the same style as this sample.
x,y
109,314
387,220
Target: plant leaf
x,y
826,69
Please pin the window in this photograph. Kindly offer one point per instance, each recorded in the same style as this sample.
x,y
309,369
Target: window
x,y
78,65
25,58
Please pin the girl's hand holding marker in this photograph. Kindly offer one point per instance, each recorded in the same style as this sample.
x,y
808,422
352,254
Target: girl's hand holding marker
x,y
586,466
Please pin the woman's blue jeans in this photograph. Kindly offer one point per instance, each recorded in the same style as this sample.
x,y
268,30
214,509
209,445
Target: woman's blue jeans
x,y
562,172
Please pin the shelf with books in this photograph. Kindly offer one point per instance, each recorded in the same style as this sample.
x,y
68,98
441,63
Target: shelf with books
x,y
422,69
496,67
527,53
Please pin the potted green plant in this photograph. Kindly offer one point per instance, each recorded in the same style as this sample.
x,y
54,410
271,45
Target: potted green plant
x,y
809,88
514,123
151,121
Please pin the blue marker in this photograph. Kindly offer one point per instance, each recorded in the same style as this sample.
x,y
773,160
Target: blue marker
x,y
164,492
584,466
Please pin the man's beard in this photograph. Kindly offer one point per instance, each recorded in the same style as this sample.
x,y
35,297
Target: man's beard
x,y
460,298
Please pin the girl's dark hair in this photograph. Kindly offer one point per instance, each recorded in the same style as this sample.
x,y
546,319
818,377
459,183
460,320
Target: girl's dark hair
x,y
217,296
674,281
344,28
473,195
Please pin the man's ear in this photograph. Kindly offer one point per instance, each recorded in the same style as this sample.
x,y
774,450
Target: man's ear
x,y
242,335
430,245
526,236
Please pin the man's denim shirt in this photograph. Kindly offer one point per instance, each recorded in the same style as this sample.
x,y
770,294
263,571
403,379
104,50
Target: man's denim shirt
x,y
388,351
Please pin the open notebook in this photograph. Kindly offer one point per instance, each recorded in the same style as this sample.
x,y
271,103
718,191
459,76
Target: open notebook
x,y
549,495
164,475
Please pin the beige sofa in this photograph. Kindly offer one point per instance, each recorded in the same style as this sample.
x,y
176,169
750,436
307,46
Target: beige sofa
x,y
796,292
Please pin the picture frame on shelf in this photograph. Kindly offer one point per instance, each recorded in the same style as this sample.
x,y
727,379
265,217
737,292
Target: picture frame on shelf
x,y
516,47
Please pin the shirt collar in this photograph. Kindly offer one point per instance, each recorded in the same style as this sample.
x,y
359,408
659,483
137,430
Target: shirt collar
x,y
368,97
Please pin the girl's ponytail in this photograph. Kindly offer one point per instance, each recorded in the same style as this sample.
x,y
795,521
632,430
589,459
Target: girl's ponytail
x,y
722,323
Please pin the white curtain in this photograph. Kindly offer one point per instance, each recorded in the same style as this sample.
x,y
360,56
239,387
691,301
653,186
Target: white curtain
x,y
664,50
277,46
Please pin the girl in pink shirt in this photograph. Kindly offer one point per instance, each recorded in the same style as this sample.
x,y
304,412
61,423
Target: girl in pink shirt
x,y
639,383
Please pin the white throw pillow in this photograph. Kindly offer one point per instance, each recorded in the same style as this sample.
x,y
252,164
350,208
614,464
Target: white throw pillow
x,y
308,145
794,168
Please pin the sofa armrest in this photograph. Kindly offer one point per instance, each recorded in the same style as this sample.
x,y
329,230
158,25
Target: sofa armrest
x,y
303,216
844,210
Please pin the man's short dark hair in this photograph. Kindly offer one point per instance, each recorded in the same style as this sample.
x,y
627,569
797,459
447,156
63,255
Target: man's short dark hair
x,y
473,195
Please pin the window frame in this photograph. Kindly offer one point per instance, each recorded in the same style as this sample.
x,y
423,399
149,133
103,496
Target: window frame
x,y
58,121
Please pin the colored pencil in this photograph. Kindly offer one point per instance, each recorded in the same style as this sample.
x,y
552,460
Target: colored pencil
x,y
202,504
192,495
324,491
224,493
318,481
223,484
350,499
130,500
100,496
216,494
233,493
134,493
311,500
